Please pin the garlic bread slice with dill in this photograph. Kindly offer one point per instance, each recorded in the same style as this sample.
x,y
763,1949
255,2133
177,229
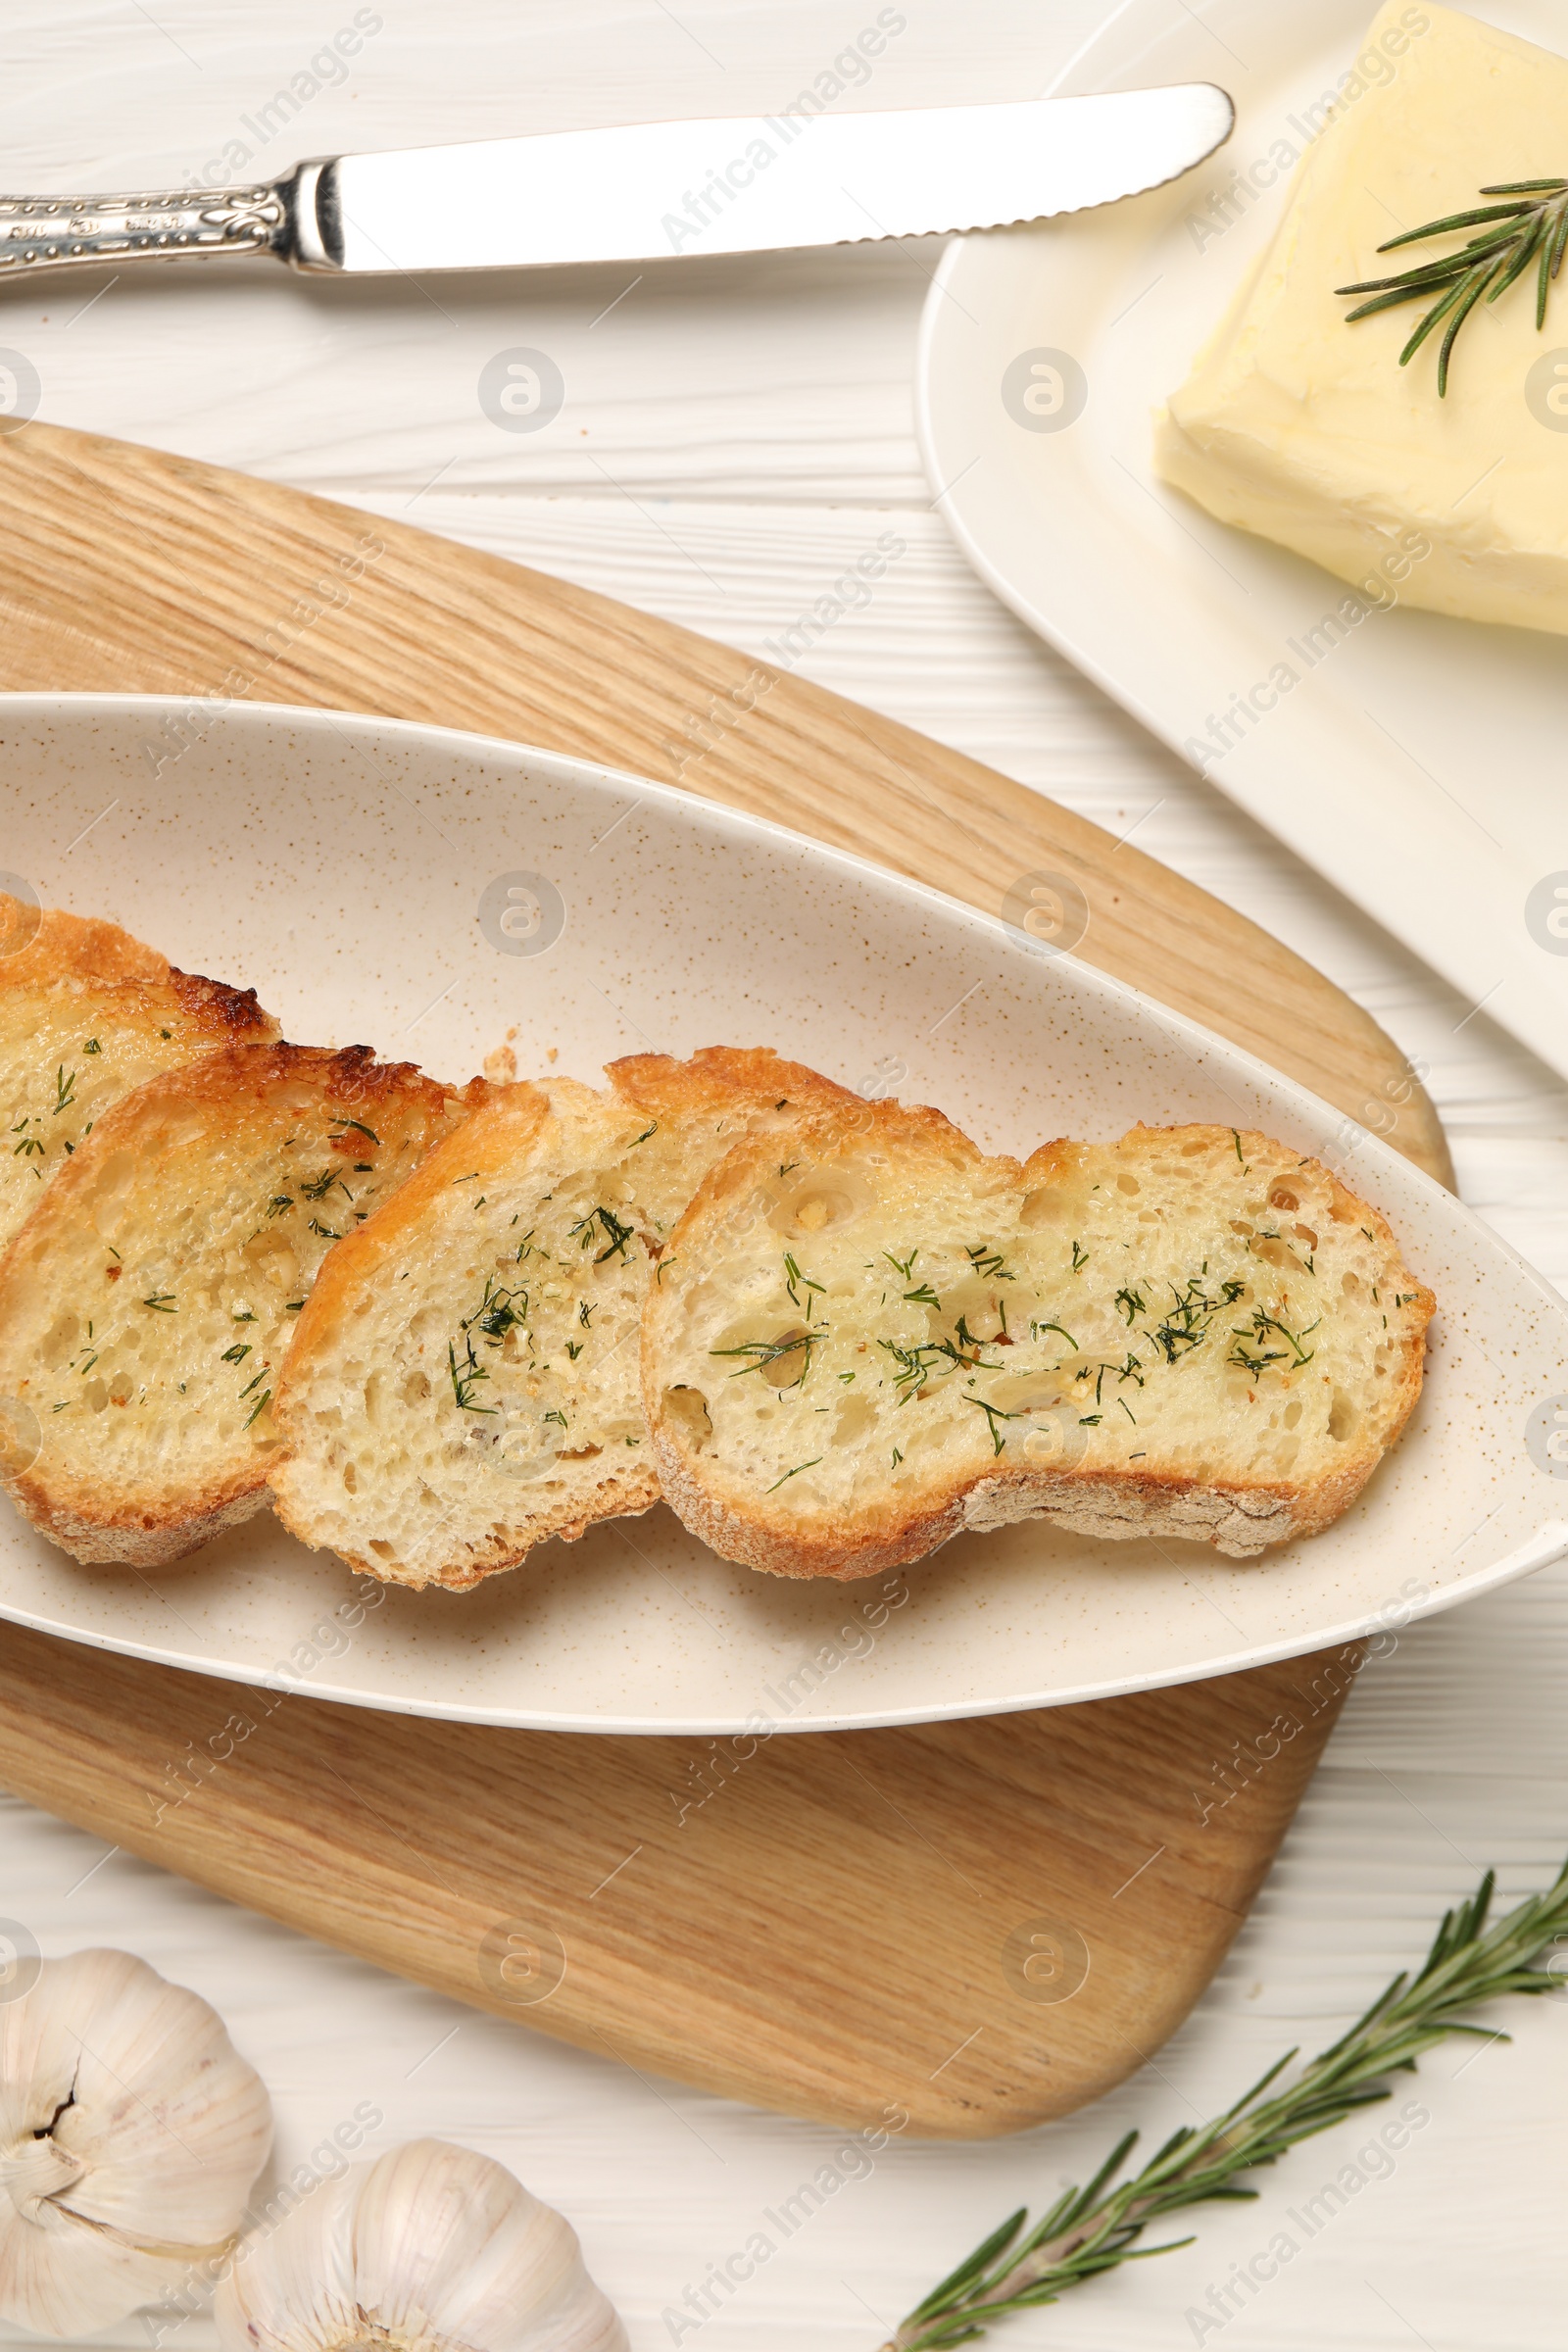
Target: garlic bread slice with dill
x,y
463,1384
1190,1333
147,1303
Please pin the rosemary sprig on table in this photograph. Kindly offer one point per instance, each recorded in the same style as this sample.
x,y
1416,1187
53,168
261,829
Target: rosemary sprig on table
x,y
1533,226
1093,2230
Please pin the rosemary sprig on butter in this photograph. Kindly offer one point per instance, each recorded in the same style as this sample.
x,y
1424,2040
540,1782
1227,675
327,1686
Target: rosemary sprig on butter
x,y
1532,227
1094,2229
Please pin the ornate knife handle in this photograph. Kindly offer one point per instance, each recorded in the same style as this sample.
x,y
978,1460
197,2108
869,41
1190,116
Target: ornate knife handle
x,y
290,218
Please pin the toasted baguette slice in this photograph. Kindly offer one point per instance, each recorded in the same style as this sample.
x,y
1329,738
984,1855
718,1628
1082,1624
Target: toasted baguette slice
x,y
47,944
464,1383
146,1306
1189,1333
72,1045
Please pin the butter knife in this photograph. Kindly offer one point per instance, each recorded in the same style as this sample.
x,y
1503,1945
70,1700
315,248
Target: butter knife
x,y
748,184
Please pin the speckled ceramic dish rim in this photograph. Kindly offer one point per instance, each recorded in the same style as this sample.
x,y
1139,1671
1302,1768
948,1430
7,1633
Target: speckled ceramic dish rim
x,y
339,865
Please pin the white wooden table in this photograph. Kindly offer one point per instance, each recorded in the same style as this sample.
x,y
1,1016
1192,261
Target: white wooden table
x,y
733,433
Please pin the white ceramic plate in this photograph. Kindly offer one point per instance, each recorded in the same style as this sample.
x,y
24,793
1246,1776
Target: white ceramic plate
x,y
339,865
1419,766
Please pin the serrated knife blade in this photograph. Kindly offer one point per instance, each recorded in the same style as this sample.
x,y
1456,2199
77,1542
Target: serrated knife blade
x,y
651,191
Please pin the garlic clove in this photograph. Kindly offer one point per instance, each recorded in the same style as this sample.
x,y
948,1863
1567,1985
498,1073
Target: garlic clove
x,y
292,2288
434,2247
457,2248
64,2280
161,2096
132,2132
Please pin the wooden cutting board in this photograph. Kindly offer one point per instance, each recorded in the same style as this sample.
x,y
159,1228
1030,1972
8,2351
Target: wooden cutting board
x,y
977,1925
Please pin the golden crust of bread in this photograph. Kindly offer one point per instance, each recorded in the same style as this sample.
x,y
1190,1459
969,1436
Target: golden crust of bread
x,y
1219,1481
47,944
207,1013
146,1306
720,1078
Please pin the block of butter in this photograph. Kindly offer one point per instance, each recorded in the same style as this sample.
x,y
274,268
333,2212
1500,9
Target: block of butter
x,y
1309,432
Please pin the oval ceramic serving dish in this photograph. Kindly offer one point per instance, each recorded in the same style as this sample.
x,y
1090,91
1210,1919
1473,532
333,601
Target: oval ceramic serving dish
x,y
355,872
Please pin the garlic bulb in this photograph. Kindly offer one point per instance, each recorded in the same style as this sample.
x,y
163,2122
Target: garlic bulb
x,y
429,2249
131,2134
